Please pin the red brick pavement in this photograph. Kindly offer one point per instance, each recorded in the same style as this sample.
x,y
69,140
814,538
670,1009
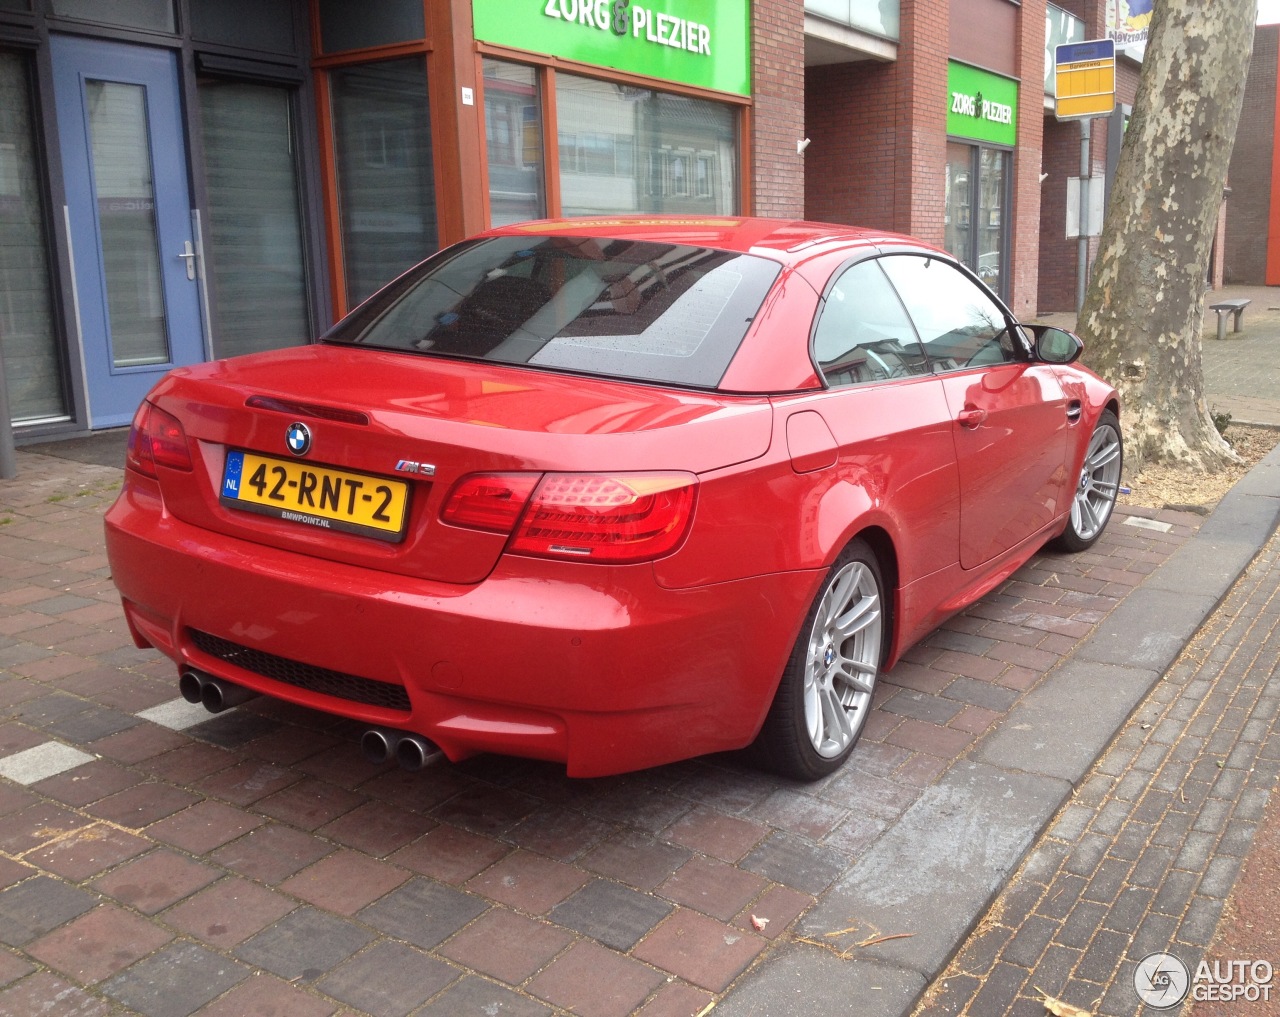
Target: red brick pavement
x,y
255,860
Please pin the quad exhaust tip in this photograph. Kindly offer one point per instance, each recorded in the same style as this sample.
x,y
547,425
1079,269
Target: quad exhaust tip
x,y
214,693
411,751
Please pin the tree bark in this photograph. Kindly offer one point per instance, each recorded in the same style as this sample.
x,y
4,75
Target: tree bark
x,y
1144,308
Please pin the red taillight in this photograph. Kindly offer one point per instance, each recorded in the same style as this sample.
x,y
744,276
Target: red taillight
x,y
592,517
156,438
489,501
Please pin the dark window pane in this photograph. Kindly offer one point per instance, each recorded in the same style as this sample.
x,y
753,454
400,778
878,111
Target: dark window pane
x,y
251,24
27,333
612,308
356,24
15,5
254,235
156,15
386,185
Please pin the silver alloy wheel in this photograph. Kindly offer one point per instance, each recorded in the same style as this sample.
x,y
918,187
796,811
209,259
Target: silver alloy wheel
x,y
843,659
1099,483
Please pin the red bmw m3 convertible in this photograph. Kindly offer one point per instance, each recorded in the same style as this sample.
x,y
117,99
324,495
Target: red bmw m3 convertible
x,y
610,492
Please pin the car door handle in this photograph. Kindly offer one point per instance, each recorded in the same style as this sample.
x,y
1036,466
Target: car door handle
x,y
1074,410
972,417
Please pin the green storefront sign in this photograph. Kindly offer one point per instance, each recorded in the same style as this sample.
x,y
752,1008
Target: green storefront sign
x,y
703,43
981,106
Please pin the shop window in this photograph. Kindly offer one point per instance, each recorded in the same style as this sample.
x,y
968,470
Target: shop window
x,y
513,131
156,15
15,5
249,24
386,184
254,238
646,161
28,338
975,189
357,24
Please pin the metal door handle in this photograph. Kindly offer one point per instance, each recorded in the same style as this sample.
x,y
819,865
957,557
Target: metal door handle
x,y
972,417
189,256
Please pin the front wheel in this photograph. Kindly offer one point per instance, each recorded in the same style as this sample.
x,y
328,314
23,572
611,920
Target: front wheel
x,y
824,697
1097,486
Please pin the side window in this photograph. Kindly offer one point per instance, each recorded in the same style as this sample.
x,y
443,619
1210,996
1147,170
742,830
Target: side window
x,y
958,323
863,333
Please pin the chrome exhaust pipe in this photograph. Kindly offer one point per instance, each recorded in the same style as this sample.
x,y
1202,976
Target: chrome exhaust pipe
x,y
215,693
416,753
378,744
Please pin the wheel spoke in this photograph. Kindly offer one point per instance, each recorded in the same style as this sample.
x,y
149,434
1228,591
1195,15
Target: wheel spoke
x,y
836,728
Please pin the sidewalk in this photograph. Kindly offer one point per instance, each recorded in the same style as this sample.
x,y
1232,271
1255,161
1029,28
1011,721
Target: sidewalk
x,y
157,860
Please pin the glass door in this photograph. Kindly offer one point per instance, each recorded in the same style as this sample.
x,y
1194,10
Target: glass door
x,y
129,218
976,197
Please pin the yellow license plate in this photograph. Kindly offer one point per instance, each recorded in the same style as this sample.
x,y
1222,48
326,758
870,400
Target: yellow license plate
x,y
318,496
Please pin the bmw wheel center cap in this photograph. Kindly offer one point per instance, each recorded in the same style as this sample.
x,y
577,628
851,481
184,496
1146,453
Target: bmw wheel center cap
x,y
298,438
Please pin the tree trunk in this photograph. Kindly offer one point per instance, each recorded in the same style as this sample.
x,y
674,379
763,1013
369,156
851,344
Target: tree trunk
x,y
1144,309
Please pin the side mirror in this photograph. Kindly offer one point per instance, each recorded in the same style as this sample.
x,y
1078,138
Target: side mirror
x,y
1055,345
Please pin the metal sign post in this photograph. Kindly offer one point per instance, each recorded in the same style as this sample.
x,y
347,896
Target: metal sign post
x,y
1085,87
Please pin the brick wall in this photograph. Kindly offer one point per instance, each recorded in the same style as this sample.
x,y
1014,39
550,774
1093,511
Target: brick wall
x,y
878,130
1252,161
777,120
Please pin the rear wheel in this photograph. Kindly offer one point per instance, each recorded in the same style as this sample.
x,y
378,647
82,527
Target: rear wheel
x,y
1096,487
824,697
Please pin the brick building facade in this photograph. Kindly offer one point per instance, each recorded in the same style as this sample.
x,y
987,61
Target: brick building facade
x,y
1253,209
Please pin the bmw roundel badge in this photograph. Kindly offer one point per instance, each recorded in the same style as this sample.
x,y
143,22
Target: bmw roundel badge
x,y
298,438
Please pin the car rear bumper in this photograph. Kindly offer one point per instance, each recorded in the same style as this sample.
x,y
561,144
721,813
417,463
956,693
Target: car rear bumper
x,y
597,667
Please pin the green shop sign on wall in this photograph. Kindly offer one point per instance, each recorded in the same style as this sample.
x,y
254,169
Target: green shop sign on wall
x,y
981,106
704,43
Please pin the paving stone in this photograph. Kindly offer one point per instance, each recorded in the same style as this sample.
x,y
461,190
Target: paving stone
x,y
265,995
699,949
309,804
175,982
712,887
228,912
98,943
450,855
388,980
796,862
142,804
345,881
87,852
484,810
377,828
45,993
593,981
423,912
87,783
506,945
713,833
612,914
271,853
34,907
204,826
528,882
304,944
156,880
471,995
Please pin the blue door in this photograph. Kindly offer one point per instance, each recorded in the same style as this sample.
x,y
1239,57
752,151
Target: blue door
x,y
129,218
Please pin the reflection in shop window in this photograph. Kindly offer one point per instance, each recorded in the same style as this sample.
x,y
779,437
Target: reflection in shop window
x,y
28,338
386,182
600,172
513,133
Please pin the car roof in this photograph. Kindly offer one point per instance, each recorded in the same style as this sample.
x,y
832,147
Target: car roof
x,y
785,240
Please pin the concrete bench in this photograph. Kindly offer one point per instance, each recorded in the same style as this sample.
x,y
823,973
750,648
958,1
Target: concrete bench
x,y
1233,307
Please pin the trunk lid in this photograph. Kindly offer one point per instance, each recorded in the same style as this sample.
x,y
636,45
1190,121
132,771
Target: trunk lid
x,y
377,419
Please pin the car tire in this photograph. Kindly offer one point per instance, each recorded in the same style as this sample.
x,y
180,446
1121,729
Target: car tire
x,y
824,697
1097,486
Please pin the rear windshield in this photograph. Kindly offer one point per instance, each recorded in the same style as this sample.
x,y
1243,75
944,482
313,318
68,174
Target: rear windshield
x,y
612,308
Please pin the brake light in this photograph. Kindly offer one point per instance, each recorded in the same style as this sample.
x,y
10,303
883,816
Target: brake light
x,y
592,517
613,519
156,437
489,501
